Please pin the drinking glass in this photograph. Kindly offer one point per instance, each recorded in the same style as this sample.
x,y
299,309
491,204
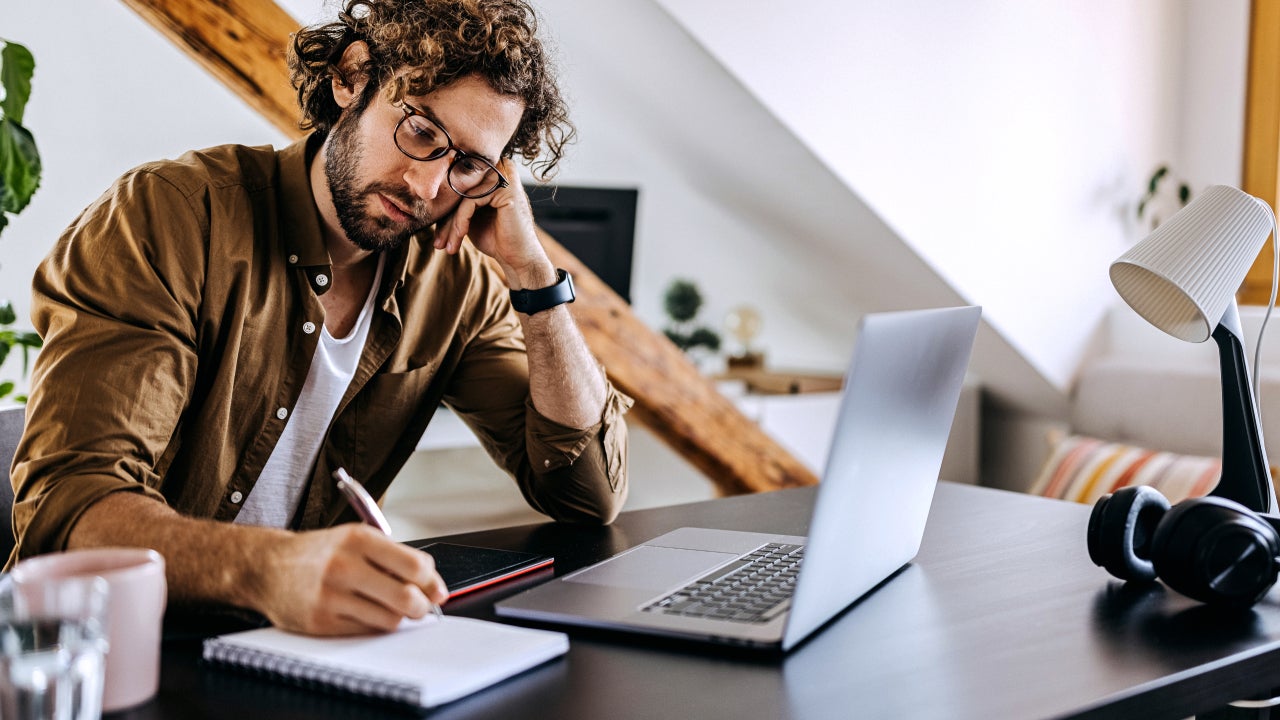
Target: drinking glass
x,y
52,645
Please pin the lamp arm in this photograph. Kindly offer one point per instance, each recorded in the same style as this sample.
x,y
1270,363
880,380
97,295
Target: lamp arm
x,y
1246,475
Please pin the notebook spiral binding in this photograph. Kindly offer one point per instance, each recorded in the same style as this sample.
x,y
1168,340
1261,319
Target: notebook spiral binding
x,y
310,674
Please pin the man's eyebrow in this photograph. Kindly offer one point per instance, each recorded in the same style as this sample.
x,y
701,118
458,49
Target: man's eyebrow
x,y
427,112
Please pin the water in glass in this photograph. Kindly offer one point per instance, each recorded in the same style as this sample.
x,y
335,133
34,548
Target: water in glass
x,y
51,653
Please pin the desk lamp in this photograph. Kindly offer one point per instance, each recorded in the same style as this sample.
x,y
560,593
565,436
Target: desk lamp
x,y
1183,278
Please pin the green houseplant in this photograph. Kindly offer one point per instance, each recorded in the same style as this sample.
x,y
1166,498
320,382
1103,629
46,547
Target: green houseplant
x,y
19,178
1157,188
682,302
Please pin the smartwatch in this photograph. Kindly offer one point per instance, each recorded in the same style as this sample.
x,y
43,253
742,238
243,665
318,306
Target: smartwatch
x,y
535,301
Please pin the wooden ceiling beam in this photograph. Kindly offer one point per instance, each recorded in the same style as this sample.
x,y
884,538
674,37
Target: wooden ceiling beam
x,y
242,43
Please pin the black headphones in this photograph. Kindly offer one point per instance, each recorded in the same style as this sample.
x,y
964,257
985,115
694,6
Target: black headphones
x,y
1210,549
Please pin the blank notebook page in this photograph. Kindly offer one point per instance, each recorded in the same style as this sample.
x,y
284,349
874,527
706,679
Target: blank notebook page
x,y
425,662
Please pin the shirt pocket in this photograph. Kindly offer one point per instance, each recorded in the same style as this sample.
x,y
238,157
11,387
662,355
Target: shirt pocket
x,y
391,403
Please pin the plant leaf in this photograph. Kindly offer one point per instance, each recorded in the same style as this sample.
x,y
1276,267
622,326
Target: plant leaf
x,y
680,339
19,166
16,68
705,336
1155,178
6,387
7,314
682,300
4,351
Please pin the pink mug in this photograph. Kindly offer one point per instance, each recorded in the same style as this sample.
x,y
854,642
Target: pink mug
x,y
135,611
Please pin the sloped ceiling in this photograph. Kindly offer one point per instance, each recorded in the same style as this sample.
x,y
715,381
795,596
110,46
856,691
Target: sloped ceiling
x,y
640,79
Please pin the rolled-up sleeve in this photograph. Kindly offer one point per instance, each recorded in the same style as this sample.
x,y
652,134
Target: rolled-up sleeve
x,y
114,302
580,475
570,474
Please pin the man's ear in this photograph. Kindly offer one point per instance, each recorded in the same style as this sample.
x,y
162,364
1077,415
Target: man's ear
x,y
349,81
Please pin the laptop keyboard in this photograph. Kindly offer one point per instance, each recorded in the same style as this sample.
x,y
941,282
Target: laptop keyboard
x,y
755,588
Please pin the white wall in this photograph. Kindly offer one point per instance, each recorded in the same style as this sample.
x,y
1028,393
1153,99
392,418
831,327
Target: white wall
x,y
1211,104
723,197
1003,140
731,195
1208,149
109,93
996,135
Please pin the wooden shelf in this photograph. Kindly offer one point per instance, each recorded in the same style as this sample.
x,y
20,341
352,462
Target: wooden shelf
x,y
782,382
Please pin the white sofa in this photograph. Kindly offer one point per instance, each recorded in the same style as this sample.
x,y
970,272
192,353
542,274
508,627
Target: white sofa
x,y
1172,406
1146,391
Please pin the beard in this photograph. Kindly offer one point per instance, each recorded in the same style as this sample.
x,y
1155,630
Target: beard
x,y
367,229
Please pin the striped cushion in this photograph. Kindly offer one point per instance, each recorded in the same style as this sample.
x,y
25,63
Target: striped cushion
x,y
1084,469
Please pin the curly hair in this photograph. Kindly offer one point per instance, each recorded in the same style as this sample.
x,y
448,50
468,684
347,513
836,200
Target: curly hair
x,y
438,42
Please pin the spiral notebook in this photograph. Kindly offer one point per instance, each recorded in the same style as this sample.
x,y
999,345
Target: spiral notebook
x,y
424,663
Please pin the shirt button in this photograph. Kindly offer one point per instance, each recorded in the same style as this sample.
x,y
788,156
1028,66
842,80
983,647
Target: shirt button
x,y
236,497
282,413
546,463
308,327
322,280
293,259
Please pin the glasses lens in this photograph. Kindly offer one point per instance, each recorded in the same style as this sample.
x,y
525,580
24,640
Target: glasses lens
x,y
473,177
420,138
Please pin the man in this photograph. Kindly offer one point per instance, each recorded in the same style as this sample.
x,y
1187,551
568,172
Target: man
x,y
224,330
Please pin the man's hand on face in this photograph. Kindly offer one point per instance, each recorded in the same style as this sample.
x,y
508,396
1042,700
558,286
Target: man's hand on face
x,y
347,580
501,226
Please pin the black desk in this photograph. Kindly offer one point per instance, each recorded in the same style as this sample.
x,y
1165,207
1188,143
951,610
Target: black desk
x,y
1001,616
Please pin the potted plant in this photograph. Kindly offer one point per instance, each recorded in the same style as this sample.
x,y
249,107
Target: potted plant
x,y
682,302
1164,196
19,178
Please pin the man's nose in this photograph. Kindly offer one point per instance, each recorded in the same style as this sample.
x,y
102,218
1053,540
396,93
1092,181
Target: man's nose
x,y
426,177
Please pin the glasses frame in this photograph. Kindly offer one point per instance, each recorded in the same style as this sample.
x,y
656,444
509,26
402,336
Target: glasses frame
x,y
411,111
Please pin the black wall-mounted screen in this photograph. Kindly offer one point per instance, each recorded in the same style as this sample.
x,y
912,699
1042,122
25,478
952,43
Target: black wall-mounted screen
x,y
597,225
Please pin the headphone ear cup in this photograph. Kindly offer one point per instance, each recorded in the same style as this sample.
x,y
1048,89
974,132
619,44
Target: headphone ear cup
x,y
1121,528
1216,551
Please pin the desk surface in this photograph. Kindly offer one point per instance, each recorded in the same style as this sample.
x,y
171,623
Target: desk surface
x,y
1001,616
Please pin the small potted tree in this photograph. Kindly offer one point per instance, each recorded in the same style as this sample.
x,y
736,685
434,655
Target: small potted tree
x,y
682,301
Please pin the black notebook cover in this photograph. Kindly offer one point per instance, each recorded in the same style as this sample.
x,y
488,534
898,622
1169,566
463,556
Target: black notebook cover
x,y
466,568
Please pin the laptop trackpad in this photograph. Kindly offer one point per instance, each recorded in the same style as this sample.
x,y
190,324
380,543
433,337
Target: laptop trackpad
x,y
652,568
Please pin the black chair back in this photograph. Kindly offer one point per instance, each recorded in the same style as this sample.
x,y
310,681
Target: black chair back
x,y
11,421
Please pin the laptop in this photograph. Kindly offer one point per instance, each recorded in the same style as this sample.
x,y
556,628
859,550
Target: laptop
x,y
772,591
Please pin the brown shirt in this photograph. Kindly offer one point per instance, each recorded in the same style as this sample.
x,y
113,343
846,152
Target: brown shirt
x,y
180,315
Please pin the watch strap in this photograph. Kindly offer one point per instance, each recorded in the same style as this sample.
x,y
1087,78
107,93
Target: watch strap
x,y
535,301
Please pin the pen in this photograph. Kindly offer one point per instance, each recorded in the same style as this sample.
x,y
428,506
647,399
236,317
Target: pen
x,y
365,506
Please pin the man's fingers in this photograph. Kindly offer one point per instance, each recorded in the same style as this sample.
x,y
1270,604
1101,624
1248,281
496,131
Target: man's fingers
x,y
409,566
352,614
395,594
457,227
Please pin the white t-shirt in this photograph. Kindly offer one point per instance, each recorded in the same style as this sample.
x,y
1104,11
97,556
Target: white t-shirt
x,y
275,497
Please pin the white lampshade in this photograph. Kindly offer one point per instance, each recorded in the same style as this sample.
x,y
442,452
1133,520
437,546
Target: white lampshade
x,y
1184,274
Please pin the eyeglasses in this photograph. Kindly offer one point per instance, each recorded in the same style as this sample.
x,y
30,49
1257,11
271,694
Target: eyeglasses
x,y
422,138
